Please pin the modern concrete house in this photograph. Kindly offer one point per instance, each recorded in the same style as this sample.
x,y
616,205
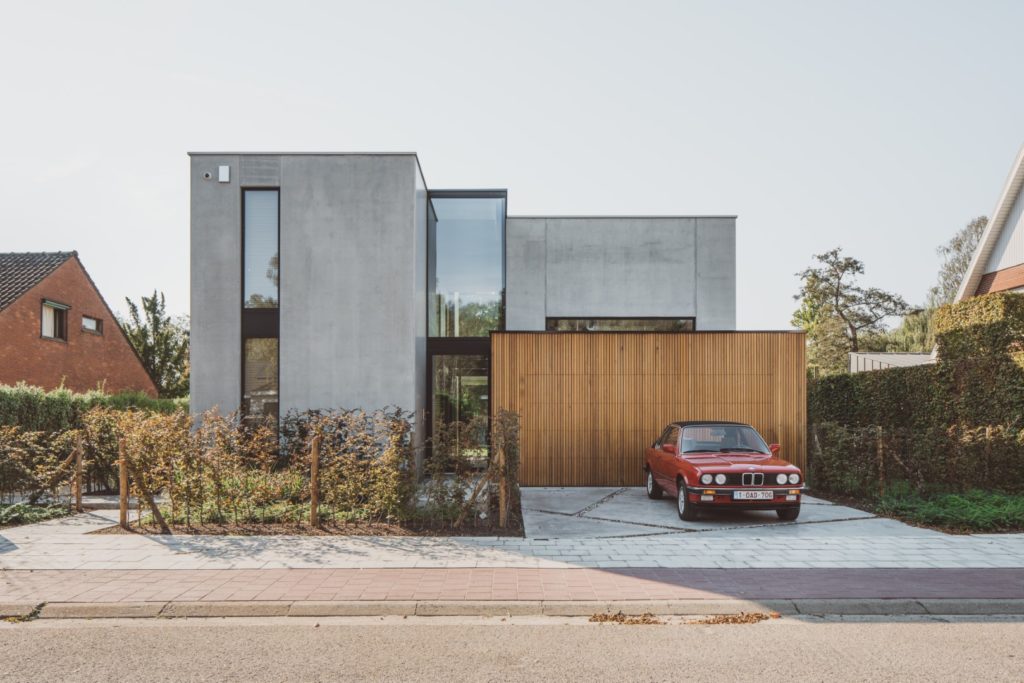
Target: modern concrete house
x,y
342,280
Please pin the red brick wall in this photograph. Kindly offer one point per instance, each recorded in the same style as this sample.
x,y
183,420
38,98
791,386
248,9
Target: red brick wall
x,y
86,361
1001,280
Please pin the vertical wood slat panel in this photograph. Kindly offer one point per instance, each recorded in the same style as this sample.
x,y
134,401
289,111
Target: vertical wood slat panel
x,y
591,402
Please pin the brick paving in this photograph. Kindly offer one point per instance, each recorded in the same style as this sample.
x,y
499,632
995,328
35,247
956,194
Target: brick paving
x,y
504,584
621,547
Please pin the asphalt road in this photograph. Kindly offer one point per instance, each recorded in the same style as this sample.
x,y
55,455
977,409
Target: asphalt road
x,y
455,649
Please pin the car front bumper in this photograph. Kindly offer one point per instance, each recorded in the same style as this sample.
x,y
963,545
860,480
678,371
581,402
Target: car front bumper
x,y
723,496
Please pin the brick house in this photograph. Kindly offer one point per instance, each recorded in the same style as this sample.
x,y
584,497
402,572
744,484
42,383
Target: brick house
x,y
55,328
998,261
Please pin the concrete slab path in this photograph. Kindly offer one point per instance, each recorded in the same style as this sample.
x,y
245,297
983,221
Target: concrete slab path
x,y
829,537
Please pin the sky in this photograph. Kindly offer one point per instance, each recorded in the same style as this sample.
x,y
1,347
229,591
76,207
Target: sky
x,y
878,126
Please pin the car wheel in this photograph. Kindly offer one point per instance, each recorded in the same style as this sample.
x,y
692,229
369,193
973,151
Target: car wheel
x,y
653,490
687,511
788,514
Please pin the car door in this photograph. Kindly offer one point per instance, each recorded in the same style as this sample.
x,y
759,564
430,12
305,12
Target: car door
x,y
654,455
667,453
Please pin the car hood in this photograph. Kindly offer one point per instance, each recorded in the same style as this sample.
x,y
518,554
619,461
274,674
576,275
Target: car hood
x,y
737,461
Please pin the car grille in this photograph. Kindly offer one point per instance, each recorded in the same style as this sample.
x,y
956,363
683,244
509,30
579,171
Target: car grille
x,y
750,479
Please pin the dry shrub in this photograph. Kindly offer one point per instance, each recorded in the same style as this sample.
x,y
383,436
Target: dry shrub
x,y
645,619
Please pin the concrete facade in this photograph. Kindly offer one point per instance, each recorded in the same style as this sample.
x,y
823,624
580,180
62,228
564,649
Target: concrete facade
x,y
627,267
352,292
353,276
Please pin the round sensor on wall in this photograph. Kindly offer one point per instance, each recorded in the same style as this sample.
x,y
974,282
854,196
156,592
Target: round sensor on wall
x,y
207,175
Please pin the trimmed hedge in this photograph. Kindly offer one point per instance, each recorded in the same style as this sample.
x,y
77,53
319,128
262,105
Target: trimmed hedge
x,y
983,325
35,409
956,424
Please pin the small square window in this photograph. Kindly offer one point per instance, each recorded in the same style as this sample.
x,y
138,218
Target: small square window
x,y
55,321
93,325
90,324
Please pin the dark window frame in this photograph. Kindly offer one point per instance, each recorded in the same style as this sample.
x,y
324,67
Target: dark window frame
x,y
691,319
467,346
58,308
259,323
99,325
242,279
470,194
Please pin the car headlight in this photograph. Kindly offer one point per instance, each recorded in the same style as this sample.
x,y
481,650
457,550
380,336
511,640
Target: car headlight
x,y
794,478
781,478
706,478
719,479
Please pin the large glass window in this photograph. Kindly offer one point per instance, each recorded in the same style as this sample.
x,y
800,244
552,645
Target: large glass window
x,y
260,378
261,266
465,268
460,394
620,324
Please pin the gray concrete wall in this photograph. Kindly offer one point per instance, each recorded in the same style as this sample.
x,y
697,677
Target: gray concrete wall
x,y
352,317
420,305
621,267
349,309
216,297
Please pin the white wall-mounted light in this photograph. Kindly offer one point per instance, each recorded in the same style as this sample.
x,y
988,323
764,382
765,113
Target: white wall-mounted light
x,y
224,174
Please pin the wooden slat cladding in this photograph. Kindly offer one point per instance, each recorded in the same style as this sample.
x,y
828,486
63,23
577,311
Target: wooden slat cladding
x,y
591,402
1001,280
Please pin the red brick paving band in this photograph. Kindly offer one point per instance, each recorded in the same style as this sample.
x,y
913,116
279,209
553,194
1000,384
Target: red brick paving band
x,y
504,584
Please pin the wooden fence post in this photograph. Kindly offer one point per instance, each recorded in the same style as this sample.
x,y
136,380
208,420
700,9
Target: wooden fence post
x,y
502,489
122,468
314,482
881,463
78,475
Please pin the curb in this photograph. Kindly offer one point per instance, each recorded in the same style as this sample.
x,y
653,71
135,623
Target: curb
x,y
492,608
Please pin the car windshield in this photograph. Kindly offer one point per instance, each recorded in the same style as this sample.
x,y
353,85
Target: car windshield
x,y
722,439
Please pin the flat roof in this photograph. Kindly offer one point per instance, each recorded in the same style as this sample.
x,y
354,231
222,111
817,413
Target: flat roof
x,y
304,154
621,216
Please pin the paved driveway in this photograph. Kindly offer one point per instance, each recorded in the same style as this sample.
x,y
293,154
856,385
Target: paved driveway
x,y
579,512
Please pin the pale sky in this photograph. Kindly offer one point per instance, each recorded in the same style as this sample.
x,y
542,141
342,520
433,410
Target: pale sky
x,y
878,126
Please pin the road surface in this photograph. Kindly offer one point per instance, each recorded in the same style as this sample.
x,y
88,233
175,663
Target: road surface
x,y
521,649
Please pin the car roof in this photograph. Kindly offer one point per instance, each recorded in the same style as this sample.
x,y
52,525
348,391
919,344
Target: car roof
x,y
702,423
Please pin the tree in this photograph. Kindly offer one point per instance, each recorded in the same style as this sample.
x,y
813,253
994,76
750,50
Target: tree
x,y
956,256
161,342
835,311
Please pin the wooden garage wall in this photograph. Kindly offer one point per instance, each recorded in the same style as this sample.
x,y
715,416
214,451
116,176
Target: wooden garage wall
x,y
591,402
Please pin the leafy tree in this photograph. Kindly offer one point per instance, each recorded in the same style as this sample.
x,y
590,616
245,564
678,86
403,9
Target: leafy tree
x,y
836,312
161,342
956,256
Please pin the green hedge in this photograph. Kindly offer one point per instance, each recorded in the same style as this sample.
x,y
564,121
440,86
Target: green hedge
x,y
955,424
35,409
983,325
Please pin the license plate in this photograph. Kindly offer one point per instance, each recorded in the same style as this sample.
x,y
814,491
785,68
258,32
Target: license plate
x,y
753,495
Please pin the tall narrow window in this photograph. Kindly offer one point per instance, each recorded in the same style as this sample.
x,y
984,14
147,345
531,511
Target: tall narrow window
x,y
466,263
260,378
54,321
261,263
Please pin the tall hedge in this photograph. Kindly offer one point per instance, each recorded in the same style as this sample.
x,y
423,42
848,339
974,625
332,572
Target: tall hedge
x,y
971,401
35,409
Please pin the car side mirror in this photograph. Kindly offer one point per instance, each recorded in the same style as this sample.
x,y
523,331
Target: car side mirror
x,y
670,448
774,448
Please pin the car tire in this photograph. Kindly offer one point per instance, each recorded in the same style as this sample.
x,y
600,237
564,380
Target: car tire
x,y
788,514
687,511
653,490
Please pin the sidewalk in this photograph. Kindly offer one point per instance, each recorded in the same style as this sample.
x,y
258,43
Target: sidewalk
x,y
595,550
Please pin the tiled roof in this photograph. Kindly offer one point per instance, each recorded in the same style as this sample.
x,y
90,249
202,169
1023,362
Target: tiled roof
x,y
20,272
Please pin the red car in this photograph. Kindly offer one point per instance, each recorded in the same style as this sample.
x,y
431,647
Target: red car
x,y
709,465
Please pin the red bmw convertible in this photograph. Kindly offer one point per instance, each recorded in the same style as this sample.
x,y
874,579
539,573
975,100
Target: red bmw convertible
x,y
709,465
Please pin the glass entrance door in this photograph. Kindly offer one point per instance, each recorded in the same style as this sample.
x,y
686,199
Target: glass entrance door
x,y
459,392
